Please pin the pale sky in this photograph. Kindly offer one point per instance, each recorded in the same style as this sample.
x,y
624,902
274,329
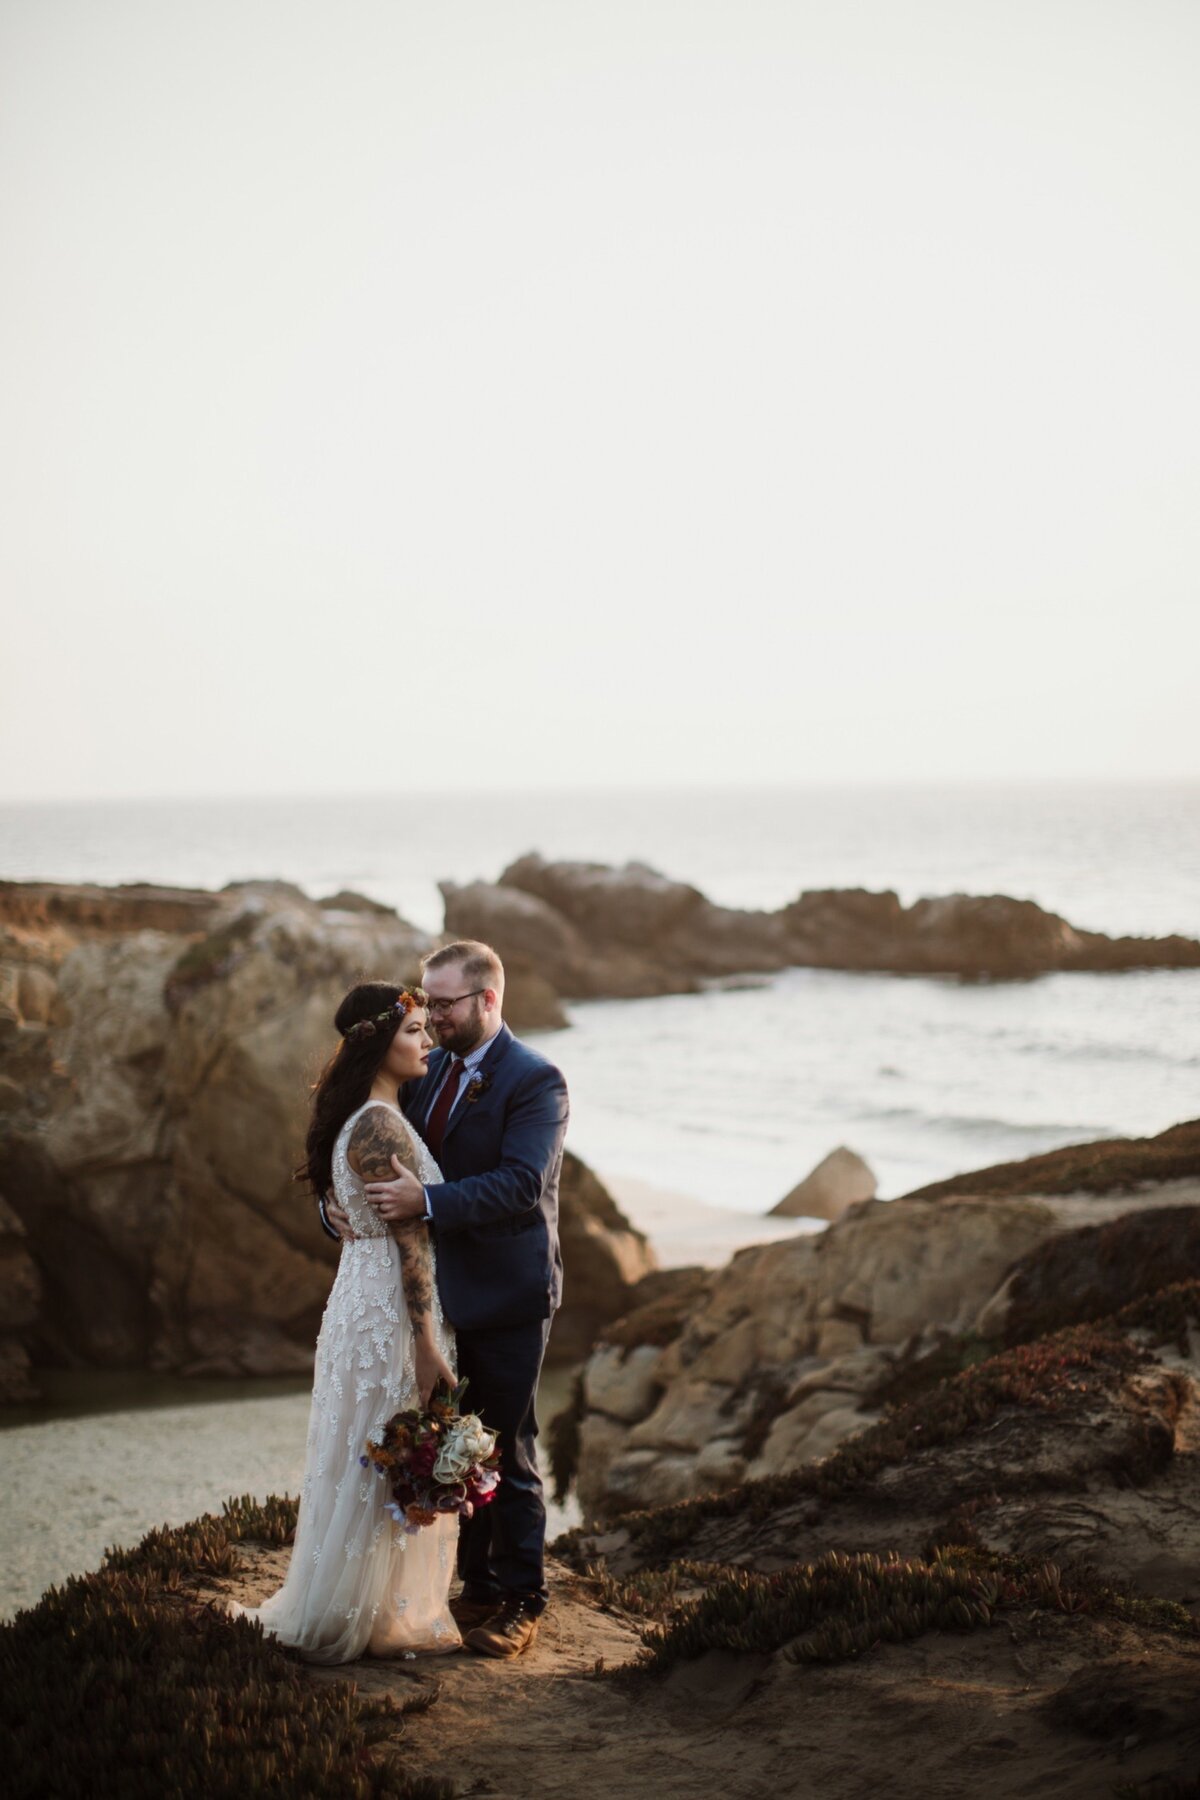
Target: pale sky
x,y
520,393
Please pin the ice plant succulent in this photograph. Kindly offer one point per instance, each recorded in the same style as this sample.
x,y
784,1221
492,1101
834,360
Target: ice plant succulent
x,y
842,1606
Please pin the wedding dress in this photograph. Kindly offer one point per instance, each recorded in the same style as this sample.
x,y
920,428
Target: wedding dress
x,y
357,1583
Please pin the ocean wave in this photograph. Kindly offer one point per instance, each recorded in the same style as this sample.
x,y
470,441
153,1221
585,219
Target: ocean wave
x,y
971,1125
966,1126
1121,1053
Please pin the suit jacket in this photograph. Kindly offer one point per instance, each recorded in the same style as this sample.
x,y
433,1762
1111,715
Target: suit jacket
x,y
495,1215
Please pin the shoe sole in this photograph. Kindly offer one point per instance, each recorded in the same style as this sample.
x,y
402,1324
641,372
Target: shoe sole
x,y
496,1651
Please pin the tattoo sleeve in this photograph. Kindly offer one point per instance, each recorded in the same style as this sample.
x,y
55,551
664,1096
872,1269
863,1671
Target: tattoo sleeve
x,y
378,1136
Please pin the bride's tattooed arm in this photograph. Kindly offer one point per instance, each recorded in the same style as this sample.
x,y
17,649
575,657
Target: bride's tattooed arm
x,y
378,1136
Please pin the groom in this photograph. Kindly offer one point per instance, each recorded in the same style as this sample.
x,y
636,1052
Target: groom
x,y
493,1113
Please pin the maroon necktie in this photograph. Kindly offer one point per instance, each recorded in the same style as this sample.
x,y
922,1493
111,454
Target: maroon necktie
x,y
435,1125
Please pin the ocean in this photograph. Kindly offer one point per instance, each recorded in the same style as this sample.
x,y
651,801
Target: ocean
x,y
732,1097
1118,858
727,1098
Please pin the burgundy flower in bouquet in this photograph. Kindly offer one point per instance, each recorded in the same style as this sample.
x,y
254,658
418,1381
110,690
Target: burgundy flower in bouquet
x,y
437,1459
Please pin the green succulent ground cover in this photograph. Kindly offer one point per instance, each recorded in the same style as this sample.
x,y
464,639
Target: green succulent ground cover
x,y
841,1606
653,1593
119,1683
1164,1311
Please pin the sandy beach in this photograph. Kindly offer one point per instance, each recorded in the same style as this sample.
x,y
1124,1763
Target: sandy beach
x,y
683,1230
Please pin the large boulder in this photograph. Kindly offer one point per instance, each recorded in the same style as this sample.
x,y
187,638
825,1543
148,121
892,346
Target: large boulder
x,y
543,956
627,932
162,1098
839,1181
895,1268
604,1259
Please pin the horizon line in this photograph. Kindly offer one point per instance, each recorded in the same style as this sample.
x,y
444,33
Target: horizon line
x,y
597,789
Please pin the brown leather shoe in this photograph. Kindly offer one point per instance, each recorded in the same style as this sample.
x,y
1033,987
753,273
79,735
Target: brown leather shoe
x,y
469,1613
509,1632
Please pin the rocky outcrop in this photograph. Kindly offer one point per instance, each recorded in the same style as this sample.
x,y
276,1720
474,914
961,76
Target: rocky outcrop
x,y
591,931
774,1363
588,930
1082,1447
794,1347
20,1299
604,1260
524,931
839,1181
1104,1166
156,1052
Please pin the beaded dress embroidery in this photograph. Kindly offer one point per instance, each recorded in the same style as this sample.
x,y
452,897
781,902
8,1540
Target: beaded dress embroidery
x,y
357,1583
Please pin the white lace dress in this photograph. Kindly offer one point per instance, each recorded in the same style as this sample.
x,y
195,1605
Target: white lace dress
x,y
357,1583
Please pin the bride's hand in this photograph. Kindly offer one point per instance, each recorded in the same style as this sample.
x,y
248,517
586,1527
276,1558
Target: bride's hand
x,y
431,1366
340,1220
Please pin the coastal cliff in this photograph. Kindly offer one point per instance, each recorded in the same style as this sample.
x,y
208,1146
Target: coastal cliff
x,y
587,931
156,1051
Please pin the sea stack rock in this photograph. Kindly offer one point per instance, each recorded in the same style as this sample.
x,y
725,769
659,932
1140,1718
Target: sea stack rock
x,y
838,1182
587,931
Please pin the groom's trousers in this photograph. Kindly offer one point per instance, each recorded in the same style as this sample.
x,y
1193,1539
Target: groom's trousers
x,y
501,1550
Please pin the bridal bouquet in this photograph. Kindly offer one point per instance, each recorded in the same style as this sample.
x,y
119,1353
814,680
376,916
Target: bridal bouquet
x,y
436,1460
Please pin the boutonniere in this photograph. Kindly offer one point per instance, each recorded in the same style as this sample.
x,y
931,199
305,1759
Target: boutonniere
x,y
477,1086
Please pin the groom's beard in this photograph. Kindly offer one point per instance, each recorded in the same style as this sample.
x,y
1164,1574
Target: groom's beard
x,y
465,1036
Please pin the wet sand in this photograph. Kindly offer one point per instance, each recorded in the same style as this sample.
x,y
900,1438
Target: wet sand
x,y
74,1486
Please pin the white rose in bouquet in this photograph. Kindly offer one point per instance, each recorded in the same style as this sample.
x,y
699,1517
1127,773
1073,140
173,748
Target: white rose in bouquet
x,y
467,1443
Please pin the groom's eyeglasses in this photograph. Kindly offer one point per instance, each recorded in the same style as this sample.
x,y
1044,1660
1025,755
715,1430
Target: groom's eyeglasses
x,y
437,1007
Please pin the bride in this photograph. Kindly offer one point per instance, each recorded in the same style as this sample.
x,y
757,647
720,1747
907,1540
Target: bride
x,y
358,1584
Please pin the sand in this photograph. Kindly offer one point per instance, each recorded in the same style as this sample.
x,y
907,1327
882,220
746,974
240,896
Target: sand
x,y
937,1719
684,1231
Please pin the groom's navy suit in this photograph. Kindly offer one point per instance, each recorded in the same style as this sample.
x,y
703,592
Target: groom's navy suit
x,y
499,1273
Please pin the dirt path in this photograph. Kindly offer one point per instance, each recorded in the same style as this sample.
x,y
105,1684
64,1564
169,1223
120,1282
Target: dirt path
x,y
1039,1706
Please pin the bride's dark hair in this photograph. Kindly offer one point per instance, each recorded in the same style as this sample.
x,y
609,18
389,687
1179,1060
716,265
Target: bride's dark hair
x,y
346,1080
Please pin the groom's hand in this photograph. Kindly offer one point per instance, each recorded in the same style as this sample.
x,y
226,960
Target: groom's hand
x,y
396,1200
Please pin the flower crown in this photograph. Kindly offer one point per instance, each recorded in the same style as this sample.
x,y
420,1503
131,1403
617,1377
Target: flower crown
x,y
400,1008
